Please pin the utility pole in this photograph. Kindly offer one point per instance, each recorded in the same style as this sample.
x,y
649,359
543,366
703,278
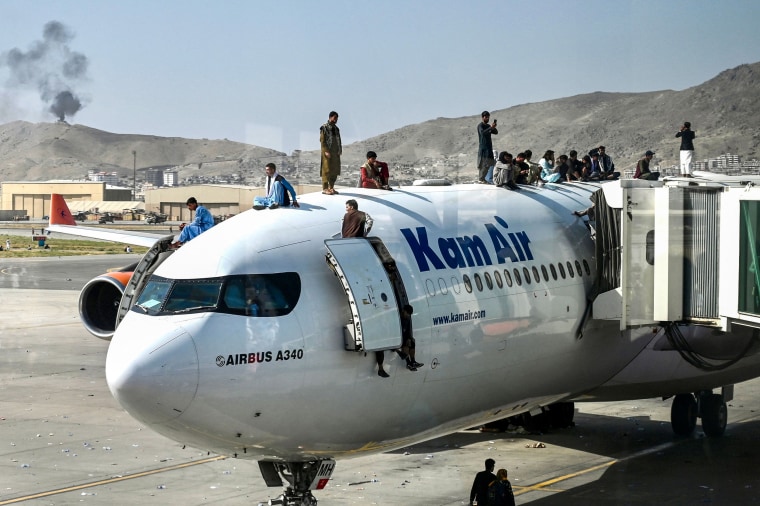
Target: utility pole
x,y
134,175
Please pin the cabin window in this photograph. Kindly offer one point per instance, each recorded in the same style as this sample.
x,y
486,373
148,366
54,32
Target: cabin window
x,y
497,277
554,271
561,269
455,285
586,267
536,277
545,273
518,280
578,268
507,277
430,287
467,283
442,286
478,282
526,275
570,269
489,281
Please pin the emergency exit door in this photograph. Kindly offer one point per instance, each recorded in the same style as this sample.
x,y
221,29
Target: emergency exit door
x,y
376,323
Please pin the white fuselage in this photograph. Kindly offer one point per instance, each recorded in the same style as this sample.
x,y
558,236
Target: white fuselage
x,y
286,388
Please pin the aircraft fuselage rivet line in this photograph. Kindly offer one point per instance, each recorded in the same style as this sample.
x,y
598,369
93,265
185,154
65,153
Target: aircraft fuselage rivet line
x,y
519,490
115,479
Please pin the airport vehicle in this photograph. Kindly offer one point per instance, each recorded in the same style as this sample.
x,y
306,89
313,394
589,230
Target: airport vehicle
x,y
106,218
155,218
255,339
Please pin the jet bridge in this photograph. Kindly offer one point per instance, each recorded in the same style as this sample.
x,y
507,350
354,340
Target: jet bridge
x,y
678,250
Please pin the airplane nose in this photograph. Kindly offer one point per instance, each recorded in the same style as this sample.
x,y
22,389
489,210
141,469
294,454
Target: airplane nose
x,y
152,368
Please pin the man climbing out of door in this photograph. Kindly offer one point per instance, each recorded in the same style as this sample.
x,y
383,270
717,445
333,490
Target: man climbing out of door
x,y
407,350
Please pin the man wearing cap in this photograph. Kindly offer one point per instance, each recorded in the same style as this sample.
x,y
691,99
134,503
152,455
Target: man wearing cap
x,y
486,159
642,168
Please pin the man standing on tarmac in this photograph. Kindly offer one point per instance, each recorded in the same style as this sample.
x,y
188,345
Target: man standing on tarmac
x,y
479,491
485,147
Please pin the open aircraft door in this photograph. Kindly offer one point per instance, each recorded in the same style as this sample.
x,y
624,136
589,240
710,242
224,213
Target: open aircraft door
x,y
376,323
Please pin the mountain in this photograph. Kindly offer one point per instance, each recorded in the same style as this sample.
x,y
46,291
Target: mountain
x,y
724,112
58,150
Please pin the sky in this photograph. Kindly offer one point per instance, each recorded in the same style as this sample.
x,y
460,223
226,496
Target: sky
x,y
269,72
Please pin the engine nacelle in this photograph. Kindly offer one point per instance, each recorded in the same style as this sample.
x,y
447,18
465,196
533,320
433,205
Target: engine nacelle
x,y
99,303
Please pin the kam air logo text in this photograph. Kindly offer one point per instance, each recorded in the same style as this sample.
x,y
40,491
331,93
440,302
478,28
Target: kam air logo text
x,y
468,251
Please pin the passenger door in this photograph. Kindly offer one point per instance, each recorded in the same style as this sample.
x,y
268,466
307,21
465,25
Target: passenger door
x,y
376,323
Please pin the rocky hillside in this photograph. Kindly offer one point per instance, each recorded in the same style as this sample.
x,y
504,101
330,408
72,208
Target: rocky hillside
x,y
43,151
724,111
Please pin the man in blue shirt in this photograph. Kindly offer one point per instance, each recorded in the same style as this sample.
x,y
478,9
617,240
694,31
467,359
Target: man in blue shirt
x,y
277,191
202,222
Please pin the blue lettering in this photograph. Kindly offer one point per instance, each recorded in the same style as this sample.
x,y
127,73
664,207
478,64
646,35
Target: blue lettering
x,y
451,252
516,244
467,251
421,250
476,246
525,241
500,244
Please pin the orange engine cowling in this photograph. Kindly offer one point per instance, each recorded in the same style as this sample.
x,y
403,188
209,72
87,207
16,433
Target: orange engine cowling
x,y
99,302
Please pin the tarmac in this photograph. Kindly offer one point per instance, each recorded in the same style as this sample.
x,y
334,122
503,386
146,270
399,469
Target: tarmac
x,y
64,439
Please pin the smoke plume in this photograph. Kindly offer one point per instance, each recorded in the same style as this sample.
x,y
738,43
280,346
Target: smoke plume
x,y
50,67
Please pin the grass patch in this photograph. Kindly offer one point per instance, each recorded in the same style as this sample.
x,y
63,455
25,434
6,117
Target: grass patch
x,y
24,247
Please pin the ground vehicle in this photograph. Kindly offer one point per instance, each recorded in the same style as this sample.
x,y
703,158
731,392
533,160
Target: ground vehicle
x,y
153,218
105,218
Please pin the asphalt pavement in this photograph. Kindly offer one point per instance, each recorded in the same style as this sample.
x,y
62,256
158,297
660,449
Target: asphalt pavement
x,y
64,439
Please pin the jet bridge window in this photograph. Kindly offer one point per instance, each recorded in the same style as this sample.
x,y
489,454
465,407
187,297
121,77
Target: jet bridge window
x,y
749,257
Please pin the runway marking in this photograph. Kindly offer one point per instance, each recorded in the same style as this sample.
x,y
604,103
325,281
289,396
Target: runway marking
x,y
107,481
519,490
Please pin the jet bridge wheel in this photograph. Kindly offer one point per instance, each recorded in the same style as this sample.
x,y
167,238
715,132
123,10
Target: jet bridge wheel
x,y
712,409
683,414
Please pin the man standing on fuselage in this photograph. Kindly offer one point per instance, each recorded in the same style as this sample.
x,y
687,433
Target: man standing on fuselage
x,y
485,147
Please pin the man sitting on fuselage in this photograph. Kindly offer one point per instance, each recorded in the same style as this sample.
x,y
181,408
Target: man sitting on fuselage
x,y
277,191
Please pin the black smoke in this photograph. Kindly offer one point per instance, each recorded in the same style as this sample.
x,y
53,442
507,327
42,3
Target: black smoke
x,y
51,67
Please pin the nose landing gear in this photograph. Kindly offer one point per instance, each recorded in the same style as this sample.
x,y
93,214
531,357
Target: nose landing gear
x,y
302,477
710,407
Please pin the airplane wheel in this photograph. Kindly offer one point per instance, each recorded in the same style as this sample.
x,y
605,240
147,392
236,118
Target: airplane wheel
x,y
714,415
683,414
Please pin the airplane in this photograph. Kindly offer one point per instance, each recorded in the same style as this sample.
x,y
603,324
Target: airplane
x,y
256,339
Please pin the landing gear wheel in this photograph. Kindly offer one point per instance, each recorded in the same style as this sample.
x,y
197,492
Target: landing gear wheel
x,y
714,415
561,414
683,414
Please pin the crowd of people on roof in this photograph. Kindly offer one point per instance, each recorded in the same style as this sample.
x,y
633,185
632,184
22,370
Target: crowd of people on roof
x,y
503,170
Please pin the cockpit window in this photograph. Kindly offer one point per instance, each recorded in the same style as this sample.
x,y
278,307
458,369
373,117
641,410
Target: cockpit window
x,y
258,295
191,294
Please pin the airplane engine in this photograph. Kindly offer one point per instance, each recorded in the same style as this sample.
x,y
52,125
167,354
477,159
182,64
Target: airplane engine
x,y
99,302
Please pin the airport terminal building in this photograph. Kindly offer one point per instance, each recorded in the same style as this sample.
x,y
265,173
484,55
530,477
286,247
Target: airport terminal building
x,y
33,197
